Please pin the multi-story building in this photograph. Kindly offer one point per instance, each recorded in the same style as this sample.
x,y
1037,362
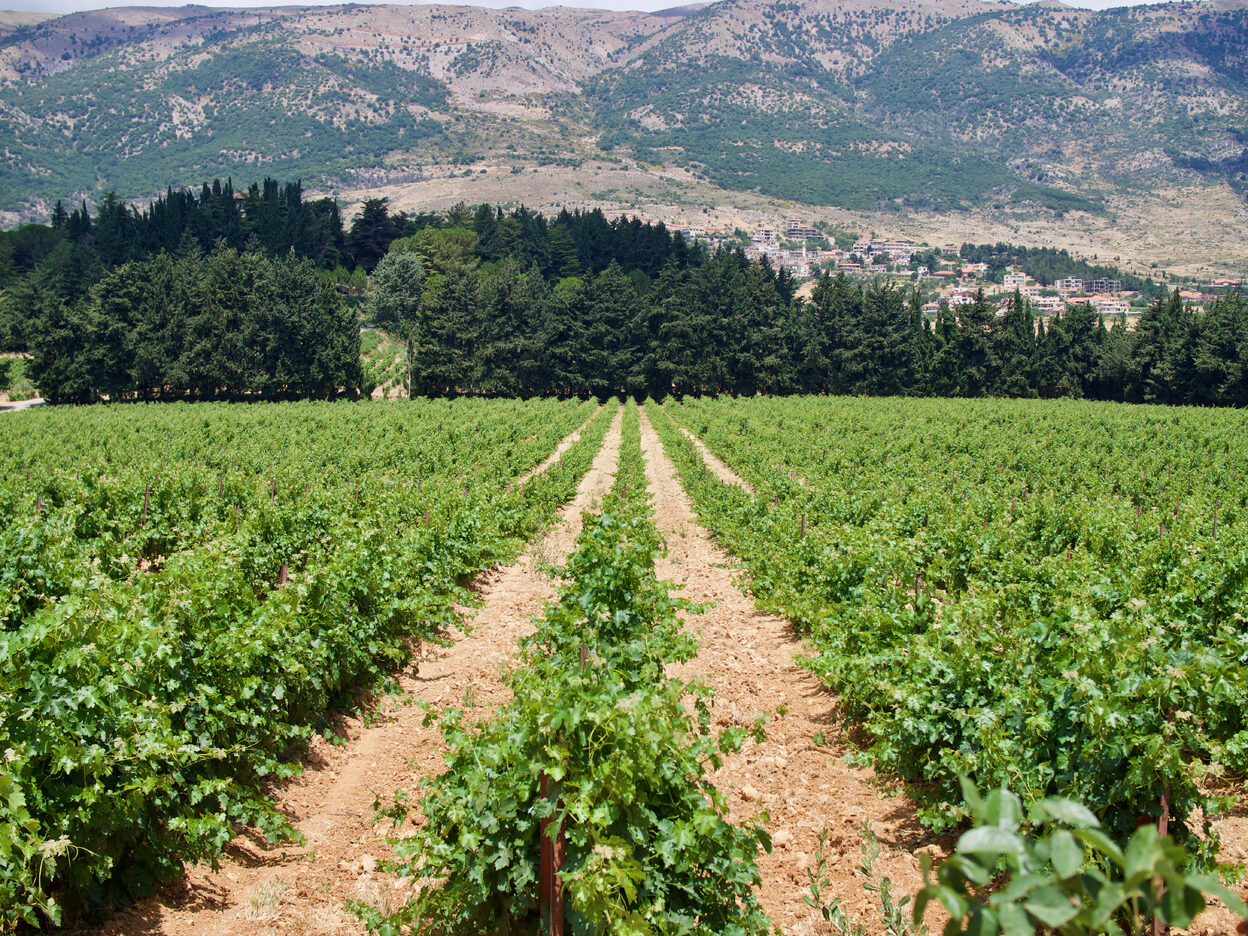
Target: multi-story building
x,y
960,296
1103,286
796,230
1107,306
897,250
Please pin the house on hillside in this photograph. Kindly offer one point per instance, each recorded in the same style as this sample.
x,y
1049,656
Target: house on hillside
x,y
960,296
796,230
1107,306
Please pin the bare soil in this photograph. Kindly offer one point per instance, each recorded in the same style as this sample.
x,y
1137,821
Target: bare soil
x,y
717,467
262,889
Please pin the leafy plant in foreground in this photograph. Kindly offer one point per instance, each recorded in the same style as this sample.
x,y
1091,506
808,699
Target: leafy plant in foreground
x,y
1062,874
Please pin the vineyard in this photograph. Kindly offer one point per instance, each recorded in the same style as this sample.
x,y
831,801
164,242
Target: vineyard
x,y
188,589
965,596
1046,595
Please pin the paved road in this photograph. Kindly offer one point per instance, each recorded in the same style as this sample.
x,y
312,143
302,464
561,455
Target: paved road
x,y
20,405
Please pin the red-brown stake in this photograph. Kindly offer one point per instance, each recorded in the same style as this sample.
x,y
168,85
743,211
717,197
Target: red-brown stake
x,y
552,855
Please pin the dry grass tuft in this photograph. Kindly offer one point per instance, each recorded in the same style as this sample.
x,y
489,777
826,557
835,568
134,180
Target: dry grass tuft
x,y
386,895
265,903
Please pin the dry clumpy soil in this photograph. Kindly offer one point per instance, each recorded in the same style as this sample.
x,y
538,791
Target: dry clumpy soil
x,y
263,889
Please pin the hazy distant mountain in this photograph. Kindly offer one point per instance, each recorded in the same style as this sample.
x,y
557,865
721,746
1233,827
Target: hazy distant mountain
x,y
856,103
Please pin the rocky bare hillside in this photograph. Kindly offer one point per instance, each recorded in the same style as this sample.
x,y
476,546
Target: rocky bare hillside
x,y
860,103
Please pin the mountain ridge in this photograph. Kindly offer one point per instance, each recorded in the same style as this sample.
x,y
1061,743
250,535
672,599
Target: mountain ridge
x,y
864,104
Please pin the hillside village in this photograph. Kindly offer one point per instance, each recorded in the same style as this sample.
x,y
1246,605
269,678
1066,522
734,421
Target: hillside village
x,y
943,277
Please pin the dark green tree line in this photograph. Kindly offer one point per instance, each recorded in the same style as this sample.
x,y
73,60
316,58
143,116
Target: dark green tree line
x,y
202,326
509,303
730,325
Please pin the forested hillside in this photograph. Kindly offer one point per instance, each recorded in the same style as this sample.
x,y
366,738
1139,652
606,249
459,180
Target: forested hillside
x,y
926,105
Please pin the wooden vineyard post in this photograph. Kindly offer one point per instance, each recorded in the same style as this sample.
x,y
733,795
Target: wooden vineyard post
x,y
281,576
1163,827
918,582
553,852
147,490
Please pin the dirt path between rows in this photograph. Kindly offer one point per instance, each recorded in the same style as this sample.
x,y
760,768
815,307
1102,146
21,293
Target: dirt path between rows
x,y
717,467
263,890
559,450
748,658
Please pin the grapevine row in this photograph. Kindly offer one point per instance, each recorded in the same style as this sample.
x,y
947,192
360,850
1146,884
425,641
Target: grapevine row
x,y
182,614
603,751
1050,596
